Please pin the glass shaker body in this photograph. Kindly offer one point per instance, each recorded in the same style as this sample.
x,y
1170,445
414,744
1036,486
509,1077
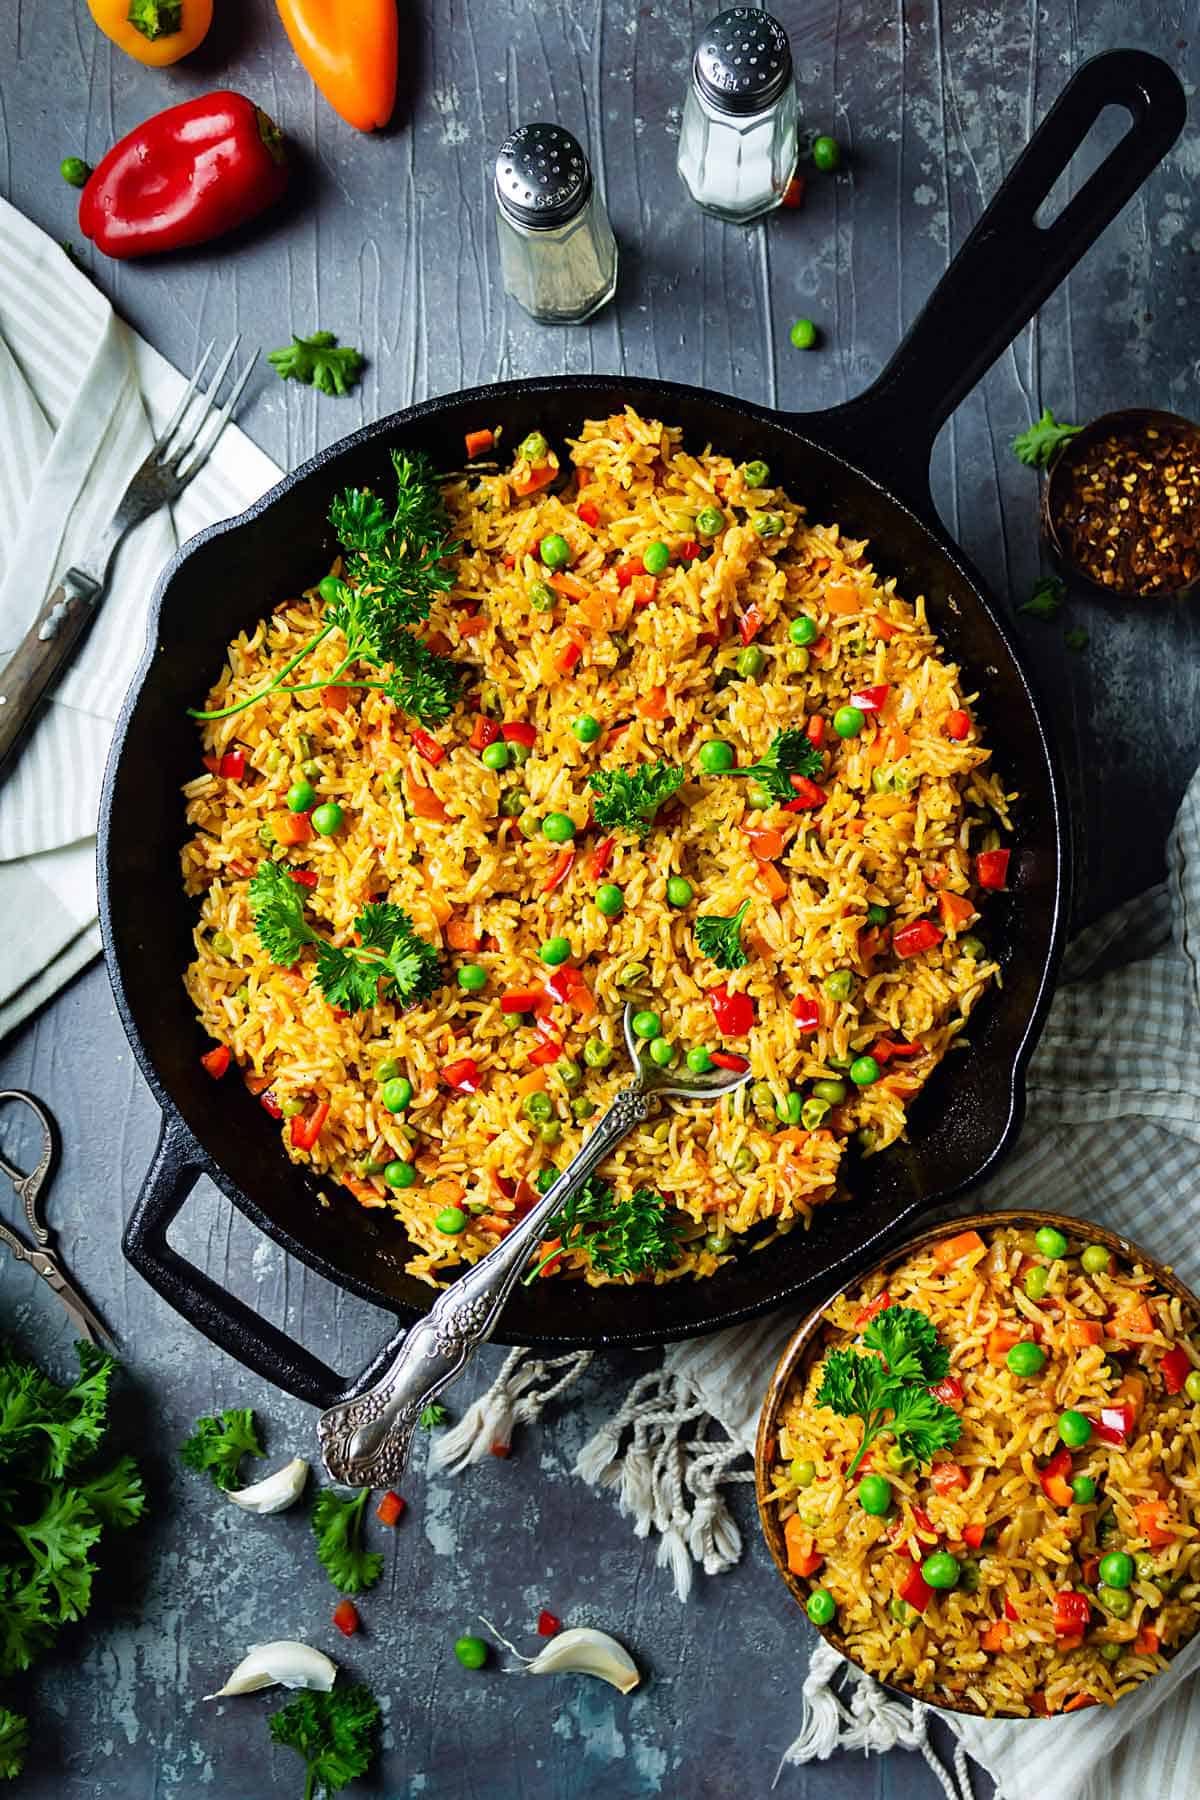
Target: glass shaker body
x,y
735,167
558,256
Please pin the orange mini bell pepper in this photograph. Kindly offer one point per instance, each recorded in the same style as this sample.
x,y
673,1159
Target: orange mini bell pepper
x,y
351,49
154,32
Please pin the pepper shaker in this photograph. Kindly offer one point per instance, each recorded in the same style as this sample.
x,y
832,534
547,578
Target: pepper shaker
x,y
558,256
737,142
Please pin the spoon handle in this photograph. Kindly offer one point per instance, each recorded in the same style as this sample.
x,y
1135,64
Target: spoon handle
x,y
365,1439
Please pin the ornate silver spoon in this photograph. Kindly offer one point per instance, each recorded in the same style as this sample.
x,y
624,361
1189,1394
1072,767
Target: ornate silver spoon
x,y
365,1439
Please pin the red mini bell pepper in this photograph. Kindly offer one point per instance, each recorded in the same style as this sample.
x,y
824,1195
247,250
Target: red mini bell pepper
x,y
305,878
1114,1424
808,795
351,48
185,176
520,1000
734,1013
484,731
1054,1478
233,765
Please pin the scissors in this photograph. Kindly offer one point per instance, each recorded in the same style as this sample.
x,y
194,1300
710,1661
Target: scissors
x,y
40,1255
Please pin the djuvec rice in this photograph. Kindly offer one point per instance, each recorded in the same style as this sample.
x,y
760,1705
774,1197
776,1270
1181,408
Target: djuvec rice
x,y
907,807
1038,1522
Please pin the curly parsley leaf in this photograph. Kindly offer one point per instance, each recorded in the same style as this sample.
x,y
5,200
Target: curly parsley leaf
x,y
46,1429
432,1416
320,362
621,1237
1045,602
423,683
338,1527
907,1340
333,1732
14,1743
789,753
277,907
889,1391
628,799
720,938
217,1446
390,950
1076,638
1036,447
921,1424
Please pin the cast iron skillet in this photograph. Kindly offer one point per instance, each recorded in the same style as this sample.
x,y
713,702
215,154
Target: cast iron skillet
x,y
864,464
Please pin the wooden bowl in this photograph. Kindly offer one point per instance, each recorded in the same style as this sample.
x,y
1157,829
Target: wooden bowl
x,y
806,1345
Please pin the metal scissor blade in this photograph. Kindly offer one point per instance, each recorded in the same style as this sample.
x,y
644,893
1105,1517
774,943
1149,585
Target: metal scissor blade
x,y
84,1319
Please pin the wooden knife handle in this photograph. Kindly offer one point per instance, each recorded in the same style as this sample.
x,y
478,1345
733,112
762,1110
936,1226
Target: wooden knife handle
x,y
40,659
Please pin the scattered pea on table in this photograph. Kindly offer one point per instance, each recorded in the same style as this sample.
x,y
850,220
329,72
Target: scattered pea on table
x,y
803,334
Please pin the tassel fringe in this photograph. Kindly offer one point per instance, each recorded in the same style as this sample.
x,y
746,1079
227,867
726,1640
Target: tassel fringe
x,y
514,1398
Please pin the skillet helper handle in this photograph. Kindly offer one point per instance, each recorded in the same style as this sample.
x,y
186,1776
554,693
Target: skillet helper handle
x,y
365,1440
225,1320
40,658
1008,266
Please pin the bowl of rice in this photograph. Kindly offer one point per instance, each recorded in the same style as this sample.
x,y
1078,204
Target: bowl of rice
x,y
978,1467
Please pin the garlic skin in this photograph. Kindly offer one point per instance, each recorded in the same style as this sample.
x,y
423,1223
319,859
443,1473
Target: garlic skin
x,y
582,1651
284,1663
274,1493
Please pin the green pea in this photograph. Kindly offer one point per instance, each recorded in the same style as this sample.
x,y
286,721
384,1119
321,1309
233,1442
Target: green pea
x,y
655,558
541,596
679,891
568,1072
743,1160
472,979
1116,1569
555,950
875,1494
558,828
1050,1241
698,1060
832,1091
388,1069
545,1179
1115,1600
1191,1386
767,524
969,1576
610,901
821,1606
1026,1359
1146,1567
586,728
513,803
715,757
797,660
839,985
865,1071
495,756
328,818
310,767
597,1054
1096,1260
555,551
750,661
222,943
865,1137
827,153
900,1460
471,1652
812,1113
1037,1280
709,521
803,334
582,1108
802,1474
762,1096
266,835
1083,1490
756,474
550,1132
533,448
529,825
901,1611
537,1107
300,796
396,1093
972,948
758,797
519,755
682,522
718,1243
803,630
848,721
877,915
662,1053
74,171
1074,1429
793,1105
840,1063
941,1570
632,974
451,1220
400,1174
1111,1653
291,1109
646,1025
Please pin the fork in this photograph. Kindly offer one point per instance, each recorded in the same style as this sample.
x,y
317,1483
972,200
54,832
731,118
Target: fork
x,y
180,452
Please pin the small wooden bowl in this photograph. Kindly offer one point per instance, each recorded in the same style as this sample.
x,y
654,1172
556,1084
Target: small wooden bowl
x,y
806,1346
1130,418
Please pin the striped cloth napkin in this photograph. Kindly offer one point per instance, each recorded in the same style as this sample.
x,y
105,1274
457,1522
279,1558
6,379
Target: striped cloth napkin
x,y
1113,1133
81,398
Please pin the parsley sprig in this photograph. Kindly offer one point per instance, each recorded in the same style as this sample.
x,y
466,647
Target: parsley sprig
x,y
396,563
789,753
1036,447
318,361
1045,602
338,1527
720,938
628,799
889,1391
621,1237
333,1732
217,1446
390,958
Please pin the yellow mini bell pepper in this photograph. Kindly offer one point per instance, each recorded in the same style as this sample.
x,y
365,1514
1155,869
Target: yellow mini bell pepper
x,y
155,32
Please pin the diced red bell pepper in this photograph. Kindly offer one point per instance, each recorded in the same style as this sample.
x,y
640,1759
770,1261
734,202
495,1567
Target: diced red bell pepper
x,y
306,1127
270,1104
808,795
1174,1368
390,1508
345,1617
520,1000
814,731
564,982
991,868
1114,1424
806,1013
462,1075
734,1013
793,193
750,623
625,573
479,442
884,1049
212,764
541,1054
427,746
516,731
305,878
879,1304
1054,1478
561,869
1072,1613
645,589
948,1391
725,1059
1010,1611
548,1625
568,656
871,699
958,725
589,512
233,765
689,550
600,858
973,1536
921,934
484,731
947,1477
914,1589
217,1061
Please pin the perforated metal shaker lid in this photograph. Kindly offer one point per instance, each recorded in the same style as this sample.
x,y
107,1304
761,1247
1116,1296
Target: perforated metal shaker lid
x,y
542,176
743,61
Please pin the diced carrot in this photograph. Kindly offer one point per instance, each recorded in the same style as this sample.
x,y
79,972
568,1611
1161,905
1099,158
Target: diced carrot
x,y
423,801
391,1507
947,1477
496,1222
1136,1320
594,610
996,1636
567,656
956,909
1079,1700
532,479
1147,1641
802,1556
292,828
479,442
335,699
569,585
766,844
461,934
1150,1515
365,1192
842,597
1057,1490
472,625
777,888
884,628
1039,1703
1131,1391
973,1535
1001,1339
654,704
822,645
954,1249
446,1192
1084,1331
532,1082
644,589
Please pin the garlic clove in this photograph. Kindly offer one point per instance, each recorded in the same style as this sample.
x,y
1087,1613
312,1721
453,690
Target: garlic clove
x,y
274,1493
582,1651
284,1663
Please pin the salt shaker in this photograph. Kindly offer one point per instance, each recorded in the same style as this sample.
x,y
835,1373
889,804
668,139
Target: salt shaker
x,y
558,256
737,143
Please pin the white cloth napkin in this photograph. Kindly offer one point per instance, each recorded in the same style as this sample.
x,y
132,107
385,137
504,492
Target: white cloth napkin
x,y
81,398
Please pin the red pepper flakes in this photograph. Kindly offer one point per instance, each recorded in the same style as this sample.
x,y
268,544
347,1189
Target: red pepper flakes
x,y
1125,507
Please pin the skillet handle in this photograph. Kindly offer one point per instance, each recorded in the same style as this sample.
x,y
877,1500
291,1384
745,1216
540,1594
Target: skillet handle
x,y
225,1320
1007,267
